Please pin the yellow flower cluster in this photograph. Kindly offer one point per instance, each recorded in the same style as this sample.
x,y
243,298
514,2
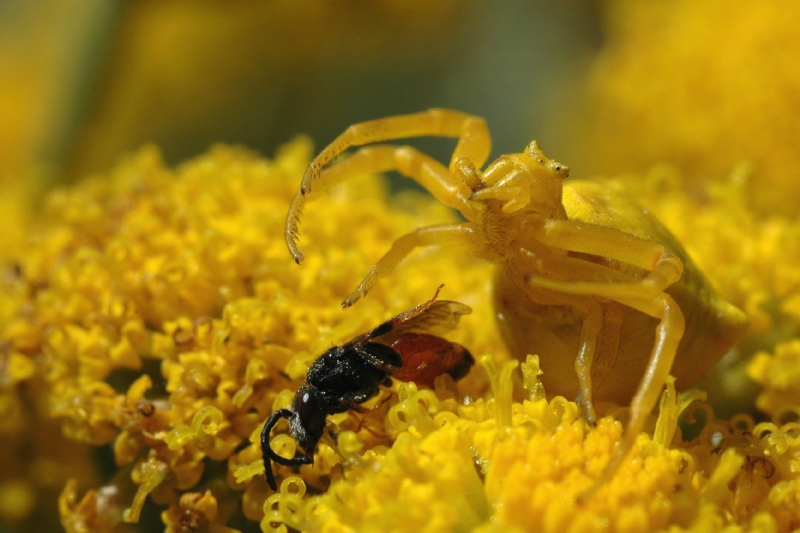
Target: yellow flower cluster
x,y
503,465
157,313
780,376
702,85
153,316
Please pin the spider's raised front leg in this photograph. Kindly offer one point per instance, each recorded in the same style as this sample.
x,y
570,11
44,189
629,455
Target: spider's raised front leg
x,y
450,187
474,140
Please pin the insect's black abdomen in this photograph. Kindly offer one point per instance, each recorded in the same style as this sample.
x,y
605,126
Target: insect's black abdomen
x,y
383,329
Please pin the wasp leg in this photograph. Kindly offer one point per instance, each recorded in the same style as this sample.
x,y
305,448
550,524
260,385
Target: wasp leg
x,y
472,131
354,404
465,234
365,427
360,409
362,420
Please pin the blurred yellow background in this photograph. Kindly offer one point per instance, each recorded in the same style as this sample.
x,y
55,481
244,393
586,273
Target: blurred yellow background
x,y
690,105
84,85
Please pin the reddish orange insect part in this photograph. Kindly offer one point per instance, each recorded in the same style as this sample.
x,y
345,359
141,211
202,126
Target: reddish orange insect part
x,y
427,356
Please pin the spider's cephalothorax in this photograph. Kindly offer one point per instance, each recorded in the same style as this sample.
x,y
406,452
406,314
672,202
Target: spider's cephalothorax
x,y
588,280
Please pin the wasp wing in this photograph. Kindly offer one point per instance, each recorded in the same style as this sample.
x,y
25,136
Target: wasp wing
x,y
432,317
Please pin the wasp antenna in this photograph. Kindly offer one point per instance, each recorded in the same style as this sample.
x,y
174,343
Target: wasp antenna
x,y
436,294
267,453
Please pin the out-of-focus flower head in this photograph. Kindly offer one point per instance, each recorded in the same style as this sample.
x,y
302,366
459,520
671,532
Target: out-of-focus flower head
x,y
697,101
703,85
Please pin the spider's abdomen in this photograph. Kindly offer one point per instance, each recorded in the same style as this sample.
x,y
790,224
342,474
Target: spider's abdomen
x,y
627,335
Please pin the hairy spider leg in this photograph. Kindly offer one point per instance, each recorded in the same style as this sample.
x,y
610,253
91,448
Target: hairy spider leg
x,y
421,168
450,186
474,139
426,171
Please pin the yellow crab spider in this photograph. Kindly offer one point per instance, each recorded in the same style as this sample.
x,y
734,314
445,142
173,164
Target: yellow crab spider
x,y
586,279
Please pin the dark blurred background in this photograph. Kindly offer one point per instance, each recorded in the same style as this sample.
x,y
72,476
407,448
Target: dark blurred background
x,y
82,83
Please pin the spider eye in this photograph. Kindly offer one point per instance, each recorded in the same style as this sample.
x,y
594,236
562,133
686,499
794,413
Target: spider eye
x,y
541,161
558,168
